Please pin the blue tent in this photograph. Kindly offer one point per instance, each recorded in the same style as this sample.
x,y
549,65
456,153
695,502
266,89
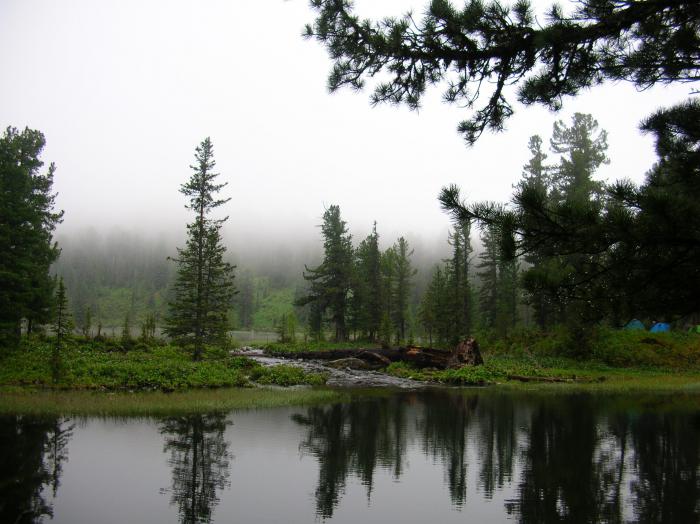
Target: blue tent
x,y
660,327
634,324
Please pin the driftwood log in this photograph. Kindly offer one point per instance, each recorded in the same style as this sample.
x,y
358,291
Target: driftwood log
x,y
465,353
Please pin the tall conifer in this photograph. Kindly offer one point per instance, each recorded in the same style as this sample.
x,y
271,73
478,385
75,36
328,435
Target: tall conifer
x,y
27,222
203,289
330,283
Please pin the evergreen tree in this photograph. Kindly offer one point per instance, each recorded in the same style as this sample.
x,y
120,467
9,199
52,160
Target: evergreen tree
x,y
126,331
402,289
368,285
488,291
63,326
87,322
537,184
458,277
582,149
245,299
498,294
635,250
436,308
330,283
203,289
488,43
508,295
388,264
27,223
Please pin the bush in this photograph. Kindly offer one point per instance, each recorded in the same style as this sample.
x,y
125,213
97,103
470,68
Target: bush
x,y
283,375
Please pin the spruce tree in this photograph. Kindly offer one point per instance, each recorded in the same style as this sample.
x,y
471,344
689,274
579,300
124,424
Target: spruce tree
x,y
436,312
203,289
330,283
459,283
404,273
488,276
27,223
63,326
368,285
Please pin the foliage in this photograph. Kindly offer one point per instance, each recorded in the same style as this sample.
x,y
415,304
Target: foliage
x,y
103,365
27,223
447,309
331,281
62,328
633,252
204,284
404,274
367,299
491,44
283,375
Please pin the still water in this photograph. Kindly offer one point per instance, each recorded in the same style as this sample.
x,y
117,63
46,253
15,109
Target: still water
x,y
429,456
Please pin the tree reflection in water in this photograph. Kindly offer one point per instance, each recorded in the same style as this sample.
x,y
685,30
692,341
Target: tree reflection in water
x,y
199,460
354,438
32,453
573,458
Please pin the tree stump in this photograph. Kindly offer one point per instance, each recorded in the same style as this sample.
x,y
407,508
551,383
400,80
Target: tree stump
x,y
466,353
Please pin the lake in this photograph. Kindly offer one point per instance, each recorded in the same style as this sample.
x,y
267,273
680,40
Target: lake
x,y
475,455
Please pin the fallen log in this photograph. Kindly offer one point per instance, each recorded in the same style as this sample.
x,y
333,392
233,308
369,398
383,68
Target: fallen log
x,y
465,353
391,354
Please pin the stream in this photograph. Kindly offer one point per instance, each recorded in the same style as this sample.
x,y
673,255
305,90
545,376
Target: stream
x,y
337,377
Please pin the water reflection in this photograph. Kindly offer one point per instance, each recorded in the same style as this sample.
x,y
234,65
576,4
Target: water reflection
x,y
447,456
666,461
353,439
577,458
199,460
32,453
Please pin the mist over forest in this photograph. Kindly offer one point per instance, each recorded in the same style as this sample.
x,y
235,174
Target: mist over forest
x,y
119,271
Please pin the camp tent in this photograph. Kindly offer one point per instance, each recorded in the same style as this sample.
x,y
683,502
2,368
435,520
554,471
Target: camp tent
x,y
660,327
694,329
634,324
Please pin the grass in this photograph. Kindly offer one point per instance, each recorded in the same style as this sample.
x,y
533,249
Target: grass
x,y
587,375
156,403
104,365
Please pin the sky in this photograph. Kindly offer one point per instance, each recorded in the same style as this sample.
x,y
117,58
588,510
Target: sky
x,y
124,90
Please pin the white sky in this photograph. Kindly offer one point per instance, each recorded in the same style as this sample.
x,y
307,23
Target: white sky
x,y
124,90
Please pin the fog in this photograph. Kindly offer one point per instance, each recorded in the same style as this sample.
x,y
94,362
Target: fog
x,y
125,90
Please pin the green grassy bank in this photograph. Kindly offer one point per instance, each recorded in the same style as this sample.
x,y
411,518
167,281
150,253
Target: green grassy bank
x,y
614,360
156,403
107,365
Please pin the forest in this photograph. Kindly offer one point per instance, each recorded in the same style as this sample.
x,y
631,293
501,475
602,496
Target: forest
x,y
226,295
570,256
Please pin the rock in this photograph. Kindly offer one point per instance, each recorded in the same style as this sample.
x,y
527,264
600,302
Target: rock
x,y
349,363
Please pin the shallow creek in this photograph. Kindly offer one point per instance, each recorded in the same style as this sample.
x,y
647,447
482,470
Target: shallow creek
x,y
343,377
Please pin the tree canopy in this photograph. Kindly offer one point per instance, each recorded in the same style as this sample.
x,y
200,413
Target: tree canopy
x,y
27,223
636,250
203,289
483,49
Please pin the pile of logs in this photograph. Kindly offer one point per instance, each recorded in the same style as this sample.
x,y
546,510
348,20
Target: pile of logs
x,y
466,353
